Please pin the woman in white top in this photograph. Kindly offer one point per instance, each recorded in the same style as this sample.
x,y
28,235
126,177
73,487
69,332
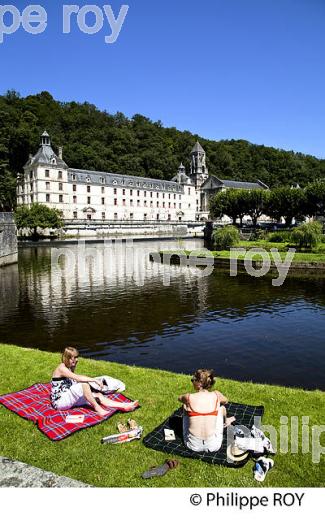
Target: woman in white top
x,y
69,389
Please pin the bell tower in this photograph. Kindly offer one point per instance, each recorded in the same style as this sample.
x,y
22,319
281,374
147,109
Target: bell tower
x,y
199,170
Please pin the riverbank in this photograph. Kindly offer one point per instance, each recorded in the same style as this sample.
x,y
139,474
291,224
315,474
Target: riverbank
x,y
116,239
82,457
302,262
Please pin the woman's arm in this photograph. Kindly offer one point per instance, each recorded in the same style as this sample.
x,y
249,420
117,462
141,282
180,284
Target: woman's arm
x,y
183,398
65,372
221,397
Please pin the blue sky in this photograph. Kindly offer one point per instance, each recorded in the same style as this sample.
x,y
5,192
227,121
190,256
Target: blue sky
x,y
225,69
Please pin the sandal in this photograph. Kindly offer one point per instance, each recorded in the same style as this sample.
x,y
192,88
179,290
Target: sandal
x,y
132,424
122,428
160,471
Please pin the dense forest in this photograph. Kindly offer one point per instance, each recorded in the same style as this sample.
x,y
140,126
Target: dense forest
x,y
93,139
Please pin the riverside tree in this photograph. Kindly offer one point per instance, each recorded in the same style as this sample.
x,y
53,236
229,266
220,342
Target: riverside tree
x,y
286,202
232,203
37,216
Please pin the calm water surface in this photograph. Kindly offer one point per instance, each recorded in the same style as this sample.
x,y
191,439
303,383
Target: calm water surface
x,y
120,308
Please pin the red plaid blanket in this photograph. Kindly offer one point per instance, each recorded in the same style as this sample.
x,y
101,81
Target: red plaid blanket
x,y
34,404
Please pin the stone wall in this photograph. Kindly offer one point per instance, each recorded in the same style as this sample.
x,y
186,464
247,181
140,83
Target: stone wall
x,y
8,240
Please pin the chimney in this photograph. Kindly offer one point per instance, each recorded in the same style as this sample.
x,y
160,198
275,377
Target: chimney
x,y
60,152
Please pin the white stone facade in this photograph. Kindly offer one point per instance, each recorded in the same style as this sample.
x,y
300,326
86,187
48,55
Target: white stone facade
x,y
90,195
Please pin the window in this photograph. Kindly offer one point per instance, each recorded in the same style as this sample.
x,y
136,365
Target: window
x,y
60,198
123,202
145,203
115,191
138,193
47,197
180,197
189,191
131,193
174,196
180,219
75,199
31,175
31,186
151,204
75,214
131,202
73,177
74,187
151,194
145,193
47,185
47,173
103,215
123,191
157,195
157,216
115,202
164,204
115,216
60,186
59,175
169,195
163,195
88,200
103,189
32,198
188,205
88,217
169,204
131,216
157,203
145,216
88,189
174,205
102,180
169,217
103,200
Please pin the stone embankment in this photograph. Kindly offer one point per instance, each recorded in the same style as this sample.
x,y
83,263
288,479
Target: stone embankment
x,y
8,240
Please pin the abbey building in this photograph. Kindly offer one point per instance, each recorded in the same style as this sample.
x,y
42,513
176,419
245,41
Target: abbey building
x,y
103,196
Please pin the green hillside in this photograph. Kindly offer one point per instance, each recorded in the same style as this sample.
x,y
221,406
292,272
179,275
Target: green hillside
x,y
94,139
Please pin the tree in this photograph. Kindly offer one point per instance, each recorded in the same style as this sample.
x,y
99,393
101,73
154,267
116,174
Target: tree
x,y
256,201
307,235
286,202
232,203
226,237
315,199
37,216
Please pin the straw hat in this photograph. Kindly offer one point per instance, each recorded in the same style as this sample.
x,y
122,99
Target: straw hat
x,y
235,454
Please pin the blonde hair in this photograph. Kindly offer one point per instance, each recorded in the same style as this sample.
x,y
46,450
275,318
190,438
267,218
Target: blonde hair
x,y
68,353
204,377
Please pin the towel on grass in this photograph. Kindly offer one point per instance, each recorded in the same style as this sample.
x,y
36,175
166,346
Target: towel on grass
x,y
245,416
34,404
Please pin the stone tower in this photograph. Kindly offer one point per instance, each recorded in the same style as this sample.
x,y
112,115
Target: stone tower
x,y
199,170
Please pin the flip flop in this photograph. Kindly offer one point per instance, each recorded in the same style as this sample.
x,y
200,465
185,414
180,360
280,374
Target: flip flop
x,y
160,471
132,424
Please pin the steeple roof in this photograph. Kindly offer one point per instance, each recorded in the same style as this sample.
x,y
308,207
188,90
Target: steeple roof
x,y
46,155
197,147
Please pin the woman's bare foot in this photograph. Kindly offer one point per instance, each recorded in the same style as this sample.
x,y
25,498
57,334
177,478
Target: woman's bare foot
x,y
229,421
126,407
101,411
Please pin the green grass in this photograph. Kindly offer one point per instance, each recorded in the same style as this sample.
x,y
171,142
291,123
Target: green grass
x,y
316,255
82,457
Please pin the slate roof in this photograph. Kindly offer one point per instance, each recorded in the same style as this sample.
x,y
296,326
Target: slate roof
x,y
197,147
214,182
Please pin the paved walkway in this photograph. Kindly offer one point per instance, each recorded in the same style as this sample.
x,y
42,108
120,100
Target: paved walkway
x,y
18,474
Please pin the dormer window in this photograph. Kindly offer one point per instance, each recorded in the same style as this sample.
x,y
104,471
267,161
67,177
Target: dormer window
x,y
88,179
73,177
53,160
102,180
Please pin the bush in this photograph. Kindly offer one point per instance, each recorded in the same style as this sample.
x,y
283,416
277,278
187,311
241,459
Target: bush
x,y
279,236
226,237
307,235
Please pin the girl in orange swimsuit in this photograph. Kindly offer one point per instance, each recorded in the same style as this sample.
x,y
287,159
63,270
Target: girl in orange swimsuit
x,y
204,414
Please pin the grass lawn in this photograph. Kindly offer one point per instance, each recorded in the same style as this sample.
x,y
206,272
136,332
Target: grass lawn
x,y
317,255
82,457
